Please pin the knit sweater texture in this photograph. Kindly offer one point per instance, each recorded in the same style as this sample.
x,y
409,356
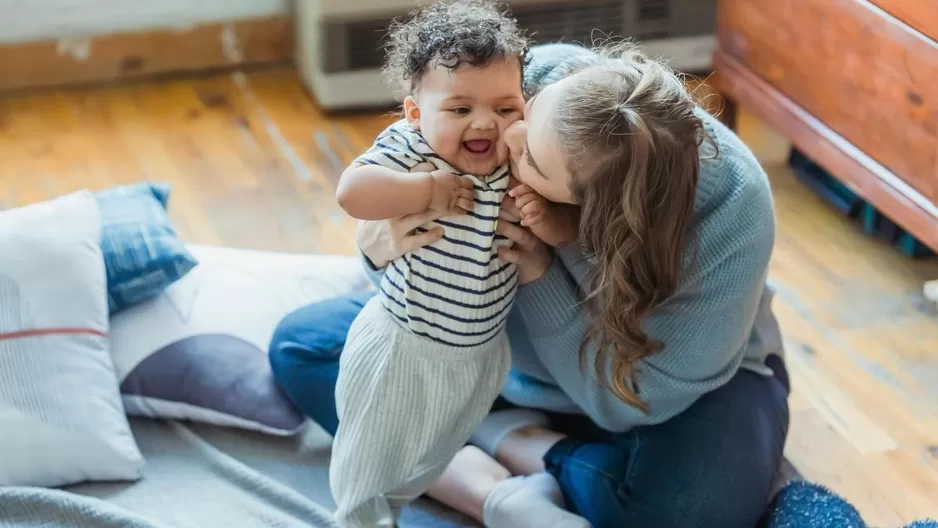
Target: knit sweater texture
x,y
719,321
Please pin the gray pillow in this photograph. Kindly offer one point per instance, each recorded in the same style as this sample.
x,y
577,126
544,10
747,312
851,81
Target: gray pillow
x,y
198,351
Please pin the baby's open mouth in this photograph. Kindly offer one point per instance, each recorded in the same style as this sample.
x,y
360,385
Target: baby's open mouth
x,y
478,146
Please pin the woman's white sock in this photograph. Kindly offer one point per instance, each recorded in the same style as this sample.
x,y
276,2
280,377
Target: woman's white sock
x,y
534,501
497,425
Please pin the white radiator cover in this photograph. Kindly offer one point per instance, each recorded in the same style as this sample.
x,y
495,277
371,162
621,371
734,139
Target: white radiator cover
x,y
32,20
338,55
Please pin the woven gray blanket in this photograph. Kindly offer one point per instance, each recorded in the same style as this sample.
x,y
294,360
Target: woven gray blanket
x,y
201,476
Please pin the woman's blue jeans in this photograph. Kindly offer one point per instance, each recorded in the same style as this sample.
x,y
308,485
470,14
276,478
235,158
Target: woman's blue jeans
x,y
712,466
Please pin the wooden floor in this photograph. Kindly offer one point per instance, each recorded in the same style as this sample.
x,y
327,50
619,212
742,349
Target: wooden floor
x,y
253,164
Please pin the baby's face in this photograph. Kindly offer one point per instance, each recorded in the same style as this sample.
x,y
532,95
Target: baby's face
x,y
463,113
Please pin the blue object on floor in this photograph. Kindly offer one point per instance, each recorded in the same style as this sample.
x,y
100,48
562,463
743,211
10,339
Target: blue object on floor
x,y
877,224
803,504
849,203
825,185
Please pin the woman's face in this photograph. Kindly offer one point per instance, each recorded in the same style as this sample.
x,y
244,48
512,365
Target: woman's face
x,y
535,150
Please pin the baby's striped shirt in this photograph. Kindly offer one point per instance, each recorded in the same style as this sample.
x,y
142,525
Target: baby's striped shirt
x,y
455,291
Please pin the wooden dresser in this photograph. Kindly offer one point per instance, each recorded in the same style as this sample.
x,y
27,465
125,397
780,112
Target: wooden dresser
x,y
853,84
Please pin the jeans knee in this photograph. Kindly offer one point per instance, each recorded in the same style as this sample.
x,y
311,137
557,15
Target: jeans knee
x,y
608,485
696,503
279,358
312,336
304,354
593,478
289,355
286,370
319,329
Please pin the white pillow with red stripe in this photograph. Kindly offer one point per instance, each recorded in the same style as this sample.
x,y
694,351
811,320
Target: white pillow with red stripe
x,y
61,418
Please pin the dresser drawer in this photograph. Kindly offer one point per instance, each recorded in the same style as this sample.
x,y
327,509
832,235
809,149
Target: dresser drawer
x,y
864,73
919,14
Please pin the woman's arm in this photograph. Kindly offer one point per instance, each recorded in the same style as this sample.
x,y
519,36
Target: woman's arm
x,y
705,328
381,241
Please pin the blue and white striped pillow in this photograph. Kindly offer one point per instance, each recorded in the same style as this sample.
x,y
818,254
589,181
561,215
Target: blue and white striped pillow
x,y
142,251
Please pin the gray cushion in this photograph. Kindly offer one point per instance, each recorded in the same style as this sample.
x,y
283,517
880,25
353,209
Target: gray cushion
x,y
198,351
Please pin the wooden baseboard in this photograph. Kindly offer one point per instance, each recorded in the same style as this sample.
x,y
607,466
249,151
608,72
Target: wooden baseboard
x,y
140,54
864,175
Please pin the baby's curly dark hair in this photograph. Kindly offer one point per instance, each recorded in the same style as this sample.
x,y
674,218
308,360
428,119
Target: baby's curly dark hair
x,y
450,33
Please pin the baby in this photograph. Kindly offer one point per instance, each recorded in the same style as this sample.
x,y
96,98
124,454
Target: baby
x,y
427,356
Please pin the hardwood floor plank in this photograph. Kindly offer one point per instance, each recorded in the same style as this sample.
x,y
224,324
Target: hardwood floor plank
x,y
863,433
875,484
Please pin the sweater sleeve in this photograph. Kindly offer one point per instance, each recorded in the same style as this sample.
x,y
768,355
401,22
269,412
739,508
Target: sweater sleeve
x,y
551,62
374,274
704,328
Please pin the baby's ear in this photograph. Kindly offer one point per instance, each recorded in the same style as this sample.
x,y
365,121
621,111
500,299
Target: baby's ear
x,y
412,112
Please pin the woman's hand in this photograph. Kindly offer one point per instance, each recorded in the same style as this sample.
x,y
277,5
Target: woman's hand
x,y
529,252
385,240
559,224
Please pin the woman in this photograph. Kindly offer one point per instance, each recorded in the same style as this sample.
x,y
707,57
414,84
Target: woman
x,y
649,341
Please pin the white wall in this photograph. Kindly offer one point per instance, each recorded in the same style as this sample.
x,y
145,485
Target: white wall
x,y
28,20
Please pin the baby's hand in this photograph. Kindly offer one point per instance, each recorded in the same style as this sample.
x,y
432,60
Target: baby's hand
x,y
533,206
450,191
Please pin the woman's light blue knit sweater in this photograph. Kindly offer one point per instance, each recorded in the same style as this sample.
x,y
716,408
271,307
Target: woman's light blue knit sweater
x,y
720,319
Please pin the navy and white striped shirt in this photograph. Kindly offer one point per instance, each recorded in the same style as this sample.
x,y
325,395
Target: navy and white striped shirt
x,y
455,291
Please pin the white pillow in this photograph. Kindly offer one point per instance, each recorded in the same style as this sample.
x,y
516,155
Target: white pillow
x,y
61,419
199,350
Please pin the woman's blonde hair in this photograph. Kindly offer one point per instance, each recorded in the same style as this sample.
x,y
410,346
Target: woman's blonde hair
x,y
633,139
